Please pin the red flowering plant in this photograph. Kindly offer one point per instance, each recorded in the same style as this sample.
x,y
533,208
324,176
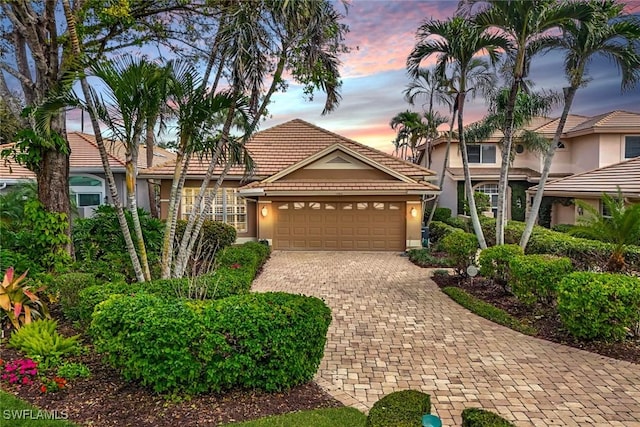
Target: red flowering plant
x,y
19,372
50,386
235,266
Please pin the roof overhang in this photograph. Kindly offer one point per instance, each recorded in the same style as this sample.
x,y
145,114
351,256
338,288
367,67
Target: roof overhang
x,y
258,192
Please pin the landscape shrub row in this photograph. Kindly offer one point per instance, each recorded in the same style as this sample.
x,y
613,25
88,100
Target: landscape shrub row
x,y
535,278
403,408
476,417
236,269
461,248
494,262
268,341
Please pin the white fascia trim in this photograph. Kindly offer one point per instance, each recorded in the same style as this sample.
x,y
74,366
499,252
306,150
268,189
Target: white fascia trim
x,y
251,192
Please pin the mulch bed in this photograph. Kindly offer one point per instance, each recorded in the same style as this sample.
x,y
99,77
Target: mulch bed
x,y
546,320
105,399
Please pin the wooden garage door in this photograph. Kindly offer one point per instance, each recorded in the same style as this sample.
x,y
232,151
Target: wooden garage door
x,y
343,226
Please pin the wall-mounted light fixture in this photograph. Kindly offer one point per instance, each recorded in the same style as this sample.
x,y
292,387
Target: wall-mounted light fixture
x,y
414,212
580,211
264,211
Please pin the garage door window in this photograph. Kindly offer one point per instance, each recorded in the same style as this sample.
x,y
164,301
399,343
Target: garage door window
x,y
330,206
228,207
362,206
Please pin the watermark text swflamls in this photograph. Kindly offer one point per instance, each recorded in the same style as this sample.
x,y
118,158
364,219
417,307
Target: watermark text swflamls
x,y
33,414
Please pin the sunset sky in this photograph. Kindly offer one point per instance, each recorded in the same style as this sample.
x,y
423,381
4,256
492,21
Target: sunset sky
x,y
374,76
382,33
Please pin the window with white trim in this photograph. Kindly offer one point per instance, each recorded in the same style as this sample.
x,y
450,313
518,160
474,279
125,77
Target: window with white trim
x,y
86,190
227,207
631,146
492,191
481,153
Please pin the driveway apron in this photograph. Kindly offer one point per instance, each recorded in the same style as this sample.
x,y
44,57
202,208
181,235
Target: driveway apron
x,y
393,329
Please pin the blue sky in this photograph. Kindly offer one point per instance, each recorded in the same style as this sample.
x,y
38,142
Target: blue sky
x,y
382,35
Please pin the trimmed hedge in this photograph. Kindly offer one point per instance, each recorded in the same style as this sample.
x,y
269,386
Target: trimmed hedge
x,y
237,267
487,311
423,258
461,248
534,278
269,341
67,288
584,253
599,305
441,214
400,409
438,229
494,262
475,417
214,235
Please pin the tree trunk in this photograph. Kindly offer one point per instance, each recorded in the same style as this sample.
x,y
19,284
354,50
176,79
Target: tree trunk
x,y
182,164
548,159
503,183
131,176
444,167
151,186
75,42
475,220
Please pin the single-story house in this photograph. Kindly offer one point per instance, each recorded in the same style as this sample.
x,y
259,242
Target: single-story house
x,y
620,178
87,182
314,190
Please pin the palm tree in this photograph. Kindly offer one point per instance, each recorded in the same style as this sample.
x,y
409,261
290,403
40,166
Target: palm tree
x,y
621,227
134,94
410,127
610,34
111,183
456,41
523,22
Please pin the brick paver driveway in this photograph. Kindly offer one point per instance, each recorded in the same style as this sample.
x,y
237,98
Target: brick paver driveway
x,y
393,329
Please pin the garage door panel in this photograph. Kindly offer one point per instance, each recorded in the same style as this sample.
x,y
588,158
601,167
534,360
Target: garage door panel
x,y
339,226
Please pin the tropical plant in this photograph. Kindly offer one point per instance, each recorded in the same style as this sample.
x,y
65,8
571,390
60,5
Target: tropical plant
x,y
457,41
620,226
19,303
40,340
412,128
523,23
609,33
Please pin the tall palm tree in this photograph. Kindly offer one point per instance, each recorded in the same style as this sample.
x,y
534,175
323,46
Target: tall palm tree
x,y
111,183
523,22
609,33
132,95
457,41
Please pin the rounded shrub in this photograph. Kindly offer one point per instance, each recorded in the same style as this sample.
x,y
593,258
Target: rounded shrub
x,y
403,408
475,417
536,277
213,234
437,230
269,341
442,214
461,248
494,262
600,306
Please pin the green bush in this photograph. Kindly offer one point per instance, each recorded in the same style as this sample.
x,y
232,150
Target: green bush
x,y
70,371
475,417
536,277
457,222
494,262
39,340
400,409
600,306
17,260
562,228
461,248
213,234
89,297
437,230
423,258
67,287
100,239
269,341
488,311
441,214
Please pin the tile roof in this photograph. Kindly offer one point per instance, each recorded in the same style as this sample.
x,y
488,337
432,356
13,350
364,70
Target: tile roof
x,y
342,186
85,156
624,175
549,128
478,173
611,121
286,144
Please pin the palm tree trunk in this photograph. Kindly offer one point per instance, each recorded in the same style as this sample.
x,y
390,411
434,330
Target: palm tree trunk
x,y
75,43
548,158
151,186
444,167
131,177
475,220
503,183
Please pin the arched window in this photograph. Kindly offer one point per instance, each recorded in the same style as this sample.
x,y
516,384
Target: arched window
x,y
87,190
491,190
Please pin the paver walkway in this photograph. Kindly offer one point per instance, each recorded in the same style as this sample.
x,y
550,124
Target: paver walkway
x,y
393,329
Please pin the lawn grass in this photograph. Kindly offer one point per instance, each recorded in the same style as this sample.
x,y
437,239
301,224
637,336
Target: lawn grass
x,y
330,417
487,311
17,413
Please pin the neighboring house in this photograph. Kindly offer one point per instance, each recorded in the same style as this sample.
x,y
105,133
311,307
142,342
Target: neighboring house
x,y
587,143
314,190
87,182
